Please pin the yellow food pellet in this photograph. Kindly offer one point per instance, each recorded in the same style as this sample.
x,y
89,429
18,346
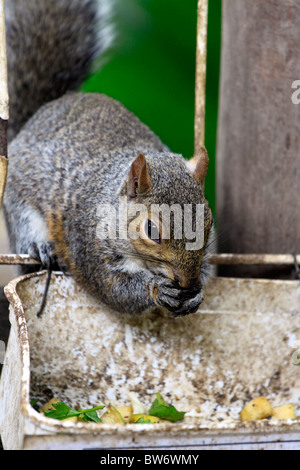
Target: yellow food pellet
x,y
284,412
152,419
48,406
259,408
125,412
73,419
112,416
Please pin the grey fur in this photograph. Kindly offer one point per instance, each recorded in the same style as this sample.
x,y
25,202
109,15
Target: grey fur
x,y
74,154
50,47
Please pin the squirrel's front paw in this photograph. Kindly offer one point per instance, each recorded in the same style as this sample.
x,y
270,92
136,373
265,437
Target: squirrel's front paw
x,y
44,253
165,293
189,306
168,294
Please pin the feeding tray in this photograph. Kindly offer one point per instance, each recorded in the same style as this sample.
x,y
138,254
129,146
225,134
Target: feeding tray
x,y
238,346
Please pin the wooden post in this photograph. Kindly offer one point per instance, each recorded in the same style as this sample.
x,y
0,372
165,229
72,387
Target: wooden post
x,y
258,160
3,103
201,49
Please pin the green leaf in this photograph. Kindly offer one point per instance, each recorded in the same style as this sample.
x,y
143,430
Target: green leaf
x,y
91,416
61,411
163,410
34,404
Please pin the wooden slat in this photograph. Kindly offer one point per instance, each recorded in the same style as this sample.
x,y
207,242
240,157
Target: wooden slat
x,y
4,107
219,259
258,163
200,75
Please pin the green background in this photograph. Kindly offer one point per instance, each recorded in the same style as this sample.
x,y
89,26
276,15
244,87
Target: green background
x,y
151,70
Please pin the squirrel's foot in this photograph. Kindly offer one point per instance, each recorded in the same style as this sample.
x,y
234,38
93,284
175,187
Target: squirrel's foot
x,y
168,294
44,253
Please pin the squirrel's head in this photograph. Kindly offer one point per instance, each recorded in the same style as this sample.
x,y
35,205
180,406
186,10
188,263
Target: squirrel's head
x,y
169,219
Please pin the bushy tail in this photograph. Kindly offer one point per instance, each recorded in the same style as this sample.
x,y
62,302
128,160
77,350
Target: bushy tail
x,y
50,46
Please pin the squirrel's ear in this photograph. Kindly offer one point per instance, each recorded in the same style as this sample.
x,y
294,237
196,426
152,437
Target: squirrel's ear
x,y
138,178
198,165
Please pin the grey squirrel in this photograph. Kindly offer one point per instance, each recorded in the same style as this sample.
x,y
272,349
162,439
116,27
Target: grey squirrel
x,y
71,153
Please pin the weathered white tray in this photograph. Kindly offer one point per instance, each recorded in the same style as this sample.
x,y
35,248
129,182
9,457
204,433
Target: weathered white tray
x,y
237,347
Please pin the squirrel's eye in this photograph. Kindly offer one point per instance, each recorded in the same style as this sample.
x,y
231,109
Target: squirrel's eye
x,y
152,231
